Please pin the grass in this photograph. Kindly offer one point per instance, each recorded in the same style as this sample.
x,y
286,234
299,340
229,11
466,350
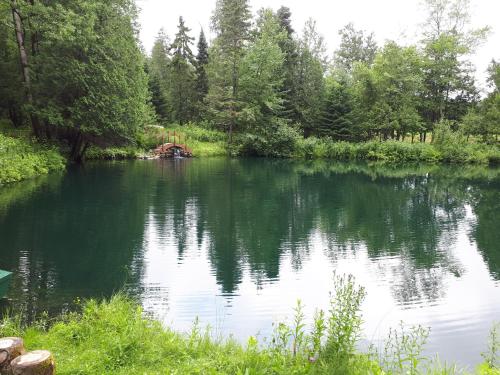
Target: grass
x,y
22,159
114,337
398,152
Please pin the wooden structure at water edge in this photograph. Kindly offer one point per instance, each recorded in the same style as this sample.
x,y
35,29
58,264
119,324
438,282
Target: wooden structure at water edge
x,y
14,360
173,150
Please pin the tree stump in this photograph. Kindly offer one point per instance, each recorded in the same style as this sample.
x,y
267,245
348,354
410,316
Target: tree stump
x,y
39,362
10,348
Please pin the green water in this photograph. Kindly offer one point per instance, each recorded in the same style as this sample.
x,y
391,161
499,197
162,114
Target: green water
x,y
236,242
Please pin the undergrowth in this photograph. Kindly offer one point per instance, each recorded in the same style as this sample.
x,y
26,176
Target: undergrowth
x,y
22,159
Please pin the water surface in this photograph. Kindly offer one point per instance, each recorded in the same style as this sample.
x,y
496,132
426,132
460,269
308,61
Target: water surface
x,y
237,242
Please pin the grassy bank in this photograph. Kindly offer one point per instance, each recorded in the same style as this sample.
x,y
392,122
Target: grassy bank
x,y
22,159
114,337
400,152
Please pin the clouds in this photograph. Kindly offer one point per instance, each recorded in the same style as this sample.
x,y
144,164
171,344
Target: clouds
x,y
398,20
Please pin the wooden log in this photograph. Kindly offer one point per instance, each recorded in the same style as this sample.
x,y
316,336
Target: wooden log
x,y
39,362
10,348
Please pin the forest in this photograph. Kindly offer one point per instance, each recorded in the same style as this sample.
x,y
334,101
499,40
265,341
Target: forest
x,y
75,74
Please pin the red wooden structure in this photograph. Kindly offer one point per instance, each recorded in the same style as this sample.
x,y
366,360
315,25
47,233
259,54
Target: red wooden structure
x,y
169,150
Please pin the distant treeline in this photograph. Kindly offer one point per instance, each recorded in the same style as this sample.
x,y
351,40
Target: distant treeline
x,y
75,70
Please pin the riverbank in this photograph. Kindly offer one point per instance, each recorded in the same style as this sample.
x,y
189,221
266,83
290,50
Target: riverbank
x,y
208,142
114,337
21,159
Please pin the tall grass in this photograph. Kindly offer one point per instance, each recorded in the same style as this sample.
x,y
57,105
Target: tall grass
x,y
114,337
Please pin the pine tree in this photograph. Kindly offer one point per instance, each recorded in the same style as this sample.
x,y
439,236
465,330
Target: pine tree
x,y
182,91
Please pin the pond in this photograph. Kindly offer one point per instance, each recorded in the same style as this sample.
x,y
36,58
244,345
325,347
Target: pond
x,y
237,242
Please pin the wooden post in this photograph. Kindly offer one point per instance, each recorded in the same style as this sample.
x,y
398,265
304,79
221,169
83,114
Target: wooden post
x,y
10,348
39,362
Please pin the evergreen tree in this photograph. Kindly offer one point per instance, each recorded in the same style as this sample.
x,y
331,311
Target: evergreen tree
x,y
201,71
338,118
182,90
261,76
88,86
158,69
289,48
231,21
309,78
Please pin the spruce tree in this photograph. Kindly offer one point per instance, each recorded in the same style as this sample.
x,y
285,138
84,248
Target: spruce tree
x,y
231,21
158,69
201,72
182,91
338,114
289,47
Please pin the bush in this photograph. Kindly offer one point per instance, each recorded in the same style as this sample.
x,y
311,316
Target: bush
x,y
280,142
21,160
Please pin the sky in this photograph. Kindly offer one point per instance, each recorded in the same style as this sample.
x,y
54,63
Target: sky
x,y
398,20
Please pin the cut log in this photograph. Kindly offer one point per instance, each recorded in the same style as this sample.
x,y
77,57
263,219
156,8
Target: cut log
x,y
39,362
10,348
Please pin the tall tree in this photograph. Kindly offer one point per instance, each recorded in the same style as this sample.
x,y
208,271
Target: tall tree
x,y
261,76
20,33
389,92
158,69
231,21
201,71
309,76
290,49
11,93
338,121
182,90
355,47
89,84
448,41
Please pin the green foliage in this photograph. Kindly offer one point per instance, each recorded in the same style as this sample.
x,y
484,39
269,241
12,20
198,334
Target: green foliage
x,y
492,355
113,153
344,322
20,160
182,87
339,122
403,350
114,337
261,76
355,48
281,141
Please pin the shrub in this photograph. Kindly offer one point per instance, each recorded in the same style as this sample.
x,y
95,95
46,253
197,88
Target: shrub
x,y
280,142
21,160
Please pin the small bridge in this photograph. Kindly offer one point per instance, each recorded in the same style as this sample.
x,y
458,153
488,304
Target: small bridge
x,y
170,150
175,149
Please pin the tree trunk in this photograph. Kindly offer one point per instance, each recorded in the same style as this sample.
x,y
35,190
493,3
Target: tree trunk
x,y
39,362
23,58
10,349
76,150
